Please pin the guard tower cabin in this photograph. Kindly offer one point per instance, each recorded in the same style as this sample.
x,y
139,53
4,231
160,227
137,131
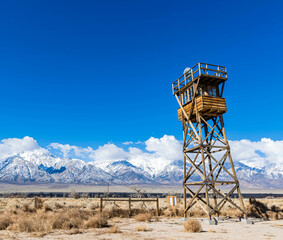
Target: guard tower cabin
x,y
209,80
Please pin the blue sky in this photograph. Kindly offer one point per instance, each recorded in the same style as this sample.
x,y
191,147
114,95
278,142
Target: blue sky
x,y
92,72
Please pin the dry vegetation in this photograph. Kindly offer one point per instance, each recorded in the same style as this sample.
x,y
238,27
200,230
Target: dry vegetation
x,y
142,228
45,215
30,215
97,221
192,225
144,217
114,229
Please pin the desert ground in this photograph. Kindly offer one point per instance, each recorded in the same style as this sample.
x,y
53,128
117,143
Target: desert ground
x,y
70,218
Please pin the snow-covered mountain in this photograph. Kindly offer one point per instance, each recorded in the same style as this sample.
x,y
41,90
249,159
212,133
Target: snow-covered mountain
x,y
40,166
17,169
171,173
123,171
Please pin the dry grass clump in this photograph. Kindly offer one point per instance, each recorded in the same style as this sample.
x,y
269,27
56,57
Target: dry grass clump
x,y
174,211
142,228
27,208
231,212
113,211
62,221
78,213
114,229
197,211
144,217
97,221
156,218
192,225
43,220
5,222
58,205
38,203
31,223
75,231
47,208
70,218
116,220
93,206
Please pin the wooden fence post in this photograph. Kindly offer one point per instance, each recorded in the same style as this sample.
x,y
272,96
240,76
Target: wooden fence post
x,y
129,206
101,204
157,206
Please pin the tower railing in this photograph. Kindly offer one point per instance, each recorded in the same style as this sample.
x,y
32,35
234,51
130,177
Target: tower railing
x,y
200,69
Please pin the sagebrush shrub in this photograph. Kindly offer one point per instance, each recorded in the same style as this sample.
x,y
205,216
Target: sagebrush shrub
x,y
192,225
143,217
97,221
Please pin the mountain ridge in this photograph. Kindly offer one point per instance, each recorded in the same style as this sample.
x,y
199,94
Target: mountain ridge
x,y
43,167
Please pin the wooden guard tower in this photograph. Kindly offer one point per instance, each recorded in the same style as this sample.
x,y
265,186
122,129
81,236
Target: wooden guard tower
x,y
208,164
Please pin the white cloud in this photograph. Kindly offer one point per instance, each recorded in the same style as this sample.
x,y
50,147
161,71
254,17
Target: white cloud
x,y
72,150
128,143
167,147
154,153
109,152
158,152
13,146
161,151
133,143
258,153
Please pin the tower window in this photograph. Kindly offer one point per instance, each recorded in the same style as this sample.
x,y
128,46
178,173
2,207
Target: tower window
x,y
212,91
190,93
185,98
200,91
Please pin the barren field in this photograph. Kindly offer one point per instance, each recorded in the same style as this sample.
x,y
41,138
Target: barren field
x,y
149,188
67,218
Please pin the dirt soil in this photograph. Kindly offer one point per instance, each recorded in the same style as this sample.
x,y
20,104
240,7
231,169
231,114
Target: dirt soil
x,y
165,228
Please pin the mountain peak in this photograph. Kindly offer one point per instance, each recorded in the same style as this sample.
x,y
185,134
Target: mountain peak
x,y
42,166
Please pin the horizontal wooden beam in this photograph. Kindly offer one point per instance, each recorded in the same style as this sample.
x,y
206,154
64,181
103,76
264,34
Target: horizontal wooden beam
x,y
127,200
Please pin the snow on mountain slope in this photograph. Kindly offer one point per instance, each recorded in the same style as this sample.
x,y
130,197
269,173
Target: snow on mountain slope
x,y
91,174
274,171
150,166
43,157
173,173
247,173
63,170
123,171
42,167
16,169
